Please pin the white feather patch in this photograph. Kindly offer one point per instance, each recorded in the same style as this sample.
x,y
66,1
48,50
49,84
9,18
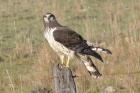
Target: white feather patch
x,y
58,47
97,49
89,67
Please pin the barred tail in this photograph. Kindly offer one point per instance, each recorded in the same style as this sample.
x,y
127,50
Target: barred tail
x,y
92,69
99,49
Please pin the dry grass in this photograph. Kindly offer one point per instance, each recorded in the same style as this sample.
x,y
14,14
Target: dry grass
x,y
26,60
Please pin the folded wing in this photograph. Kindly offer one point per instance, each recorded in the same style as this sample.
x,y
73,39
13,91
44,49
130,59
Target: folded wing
x,y
74,41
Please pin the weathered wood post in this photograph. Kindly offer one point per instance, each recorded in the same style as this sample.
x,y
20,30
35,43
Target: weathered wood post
x,y
63,80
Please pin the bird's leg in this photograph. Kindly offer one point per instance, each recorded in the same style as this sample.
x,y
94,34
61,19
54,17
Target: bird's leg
x,y
62,59
67,63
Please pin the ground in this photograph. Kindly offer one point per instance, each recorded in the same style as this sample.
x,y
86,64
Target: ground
x,y
26,60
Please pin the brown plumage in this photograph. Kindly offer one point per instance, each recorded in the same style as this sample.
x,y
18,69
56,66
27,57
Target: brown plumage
x,y
67,42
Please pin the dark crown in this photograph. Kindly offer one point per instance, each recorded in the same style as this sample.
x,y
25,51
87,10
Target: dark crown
x,y
49,17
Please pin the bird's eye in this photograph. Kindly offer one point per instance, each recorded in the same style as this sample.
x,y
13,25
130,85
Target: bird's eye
x,y
51,17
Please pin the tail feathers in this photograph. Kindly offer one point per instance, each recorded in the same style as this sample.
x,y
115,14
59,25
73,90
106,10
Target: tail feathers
x,y
92,69
92,53
99,49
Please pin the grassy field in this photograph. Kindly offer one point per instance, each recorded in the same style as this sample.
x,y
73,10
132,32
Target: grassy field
x,y
26,60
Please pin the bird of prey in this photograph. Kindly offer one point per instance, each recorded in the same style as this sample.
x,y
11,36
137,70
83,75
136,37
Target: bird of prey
x,y
67,43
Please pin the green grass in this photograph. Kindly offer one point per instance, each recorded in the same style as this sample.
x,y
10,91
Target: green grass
x,y
26,59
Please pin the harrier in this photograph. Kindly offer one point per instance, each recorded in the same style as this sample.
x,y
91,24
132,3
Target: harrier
x,y
68,43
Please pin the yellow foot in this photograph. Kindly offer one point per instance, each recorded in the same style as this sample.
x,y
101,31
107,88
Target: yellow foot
x,y
64,66
61,66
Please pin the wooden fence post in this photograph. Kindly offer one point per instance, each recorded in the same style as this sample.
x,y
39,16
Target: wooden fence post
x,y
63,80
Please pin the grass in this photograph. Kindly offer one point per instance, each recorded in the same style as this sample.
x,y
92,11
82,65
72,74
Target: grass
x,y
26,60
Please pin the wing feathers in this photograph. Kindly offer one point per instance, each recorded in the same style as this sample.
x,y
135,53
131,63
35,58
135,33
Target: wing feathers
x,y
67,37
74,41
92,53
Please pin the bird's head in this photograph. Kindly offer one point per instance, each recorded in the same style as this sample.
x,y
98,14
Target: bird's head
x,y
49,17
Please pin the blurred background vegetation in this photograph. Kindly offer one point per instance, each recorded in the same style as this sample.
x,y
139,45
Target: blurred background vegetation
x,y
26,60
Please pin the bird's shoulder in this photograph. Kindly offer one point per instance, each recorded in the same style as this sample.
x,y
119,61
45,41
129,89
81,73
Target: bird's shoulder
x,y
67,33
64,28
67,36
